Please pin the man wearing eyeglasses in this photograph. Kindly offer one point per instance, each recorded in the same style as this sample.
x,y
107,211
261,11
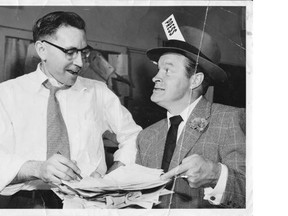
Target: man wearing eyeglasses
x,y
52,120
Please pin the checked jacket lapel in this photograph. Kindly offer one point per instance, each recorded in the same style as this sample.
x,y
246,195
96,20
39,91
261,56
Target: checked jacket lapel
x,y
153,144
190,135
161,138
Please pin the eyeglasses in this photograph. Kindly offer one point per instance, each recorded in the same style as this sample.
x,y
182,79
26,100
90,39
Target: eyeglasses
x,y
73,52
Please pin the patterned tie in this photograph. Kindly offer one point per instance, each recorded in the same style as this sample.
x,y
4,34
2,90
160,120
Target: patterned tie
x,y
170,142
57,136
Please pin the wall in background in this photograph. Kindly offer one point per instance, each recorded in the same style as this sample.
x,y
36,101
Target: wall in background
x,y
137,29
140,27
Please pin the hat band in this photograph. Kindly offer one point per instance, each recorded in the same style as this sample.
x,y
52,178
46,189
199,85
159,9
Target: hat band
x,y
185,46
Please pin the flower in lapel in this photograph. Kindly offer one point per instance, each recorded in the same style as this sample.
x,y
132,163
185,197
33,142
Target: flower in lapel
x,y
198,124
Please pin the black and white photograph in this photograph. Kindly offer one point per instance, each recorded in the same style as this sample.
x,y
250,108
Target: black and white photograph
x,y
126,108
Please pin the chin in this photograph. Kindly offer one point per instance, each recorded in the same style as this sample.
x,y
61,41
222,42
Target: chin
x,y
155,99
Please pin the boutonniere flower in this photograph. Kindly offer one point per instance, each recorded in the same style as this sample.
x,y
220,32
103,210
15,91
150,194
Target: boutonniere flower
x,y
198,124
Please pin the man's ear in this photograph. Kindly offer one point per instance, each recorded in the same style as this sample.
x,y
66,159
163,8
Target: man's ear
x,y
41,50
196,80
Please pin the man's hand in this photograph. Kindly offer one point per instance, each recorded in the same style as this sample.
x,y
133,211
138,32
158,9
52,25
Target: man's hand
x,y
96,174
53,170
115,165
199,171
58,168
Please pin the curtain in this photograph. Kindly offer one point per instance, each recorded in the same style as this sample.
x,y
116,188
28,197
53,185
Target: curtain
x,y
15,56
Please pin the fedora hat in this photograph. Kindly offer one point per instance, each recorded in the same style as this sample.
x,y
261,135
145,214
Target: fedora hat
x,y
199,47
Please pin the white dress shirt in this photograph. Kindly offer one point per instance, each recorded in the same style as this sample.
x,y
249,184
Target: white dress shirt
x,y
89,108
213,195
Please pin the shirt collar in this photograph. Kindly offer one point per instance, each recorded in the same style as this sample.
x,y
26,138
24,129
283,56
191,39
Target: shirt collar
x,y
41,77
186,112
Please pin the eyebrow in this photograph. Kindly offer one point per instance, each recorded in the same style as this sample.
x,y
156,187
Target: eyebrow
x,y
75,48
167,64
72,47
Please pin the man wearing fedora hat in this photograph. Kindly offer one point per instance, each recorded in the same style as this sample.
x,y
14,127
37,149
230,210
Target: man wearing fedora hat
x,y
200,145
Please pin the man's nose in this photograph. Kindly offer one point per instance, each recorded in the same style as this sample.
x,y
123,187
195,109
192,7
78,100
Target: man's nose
x,y
78,60
157,77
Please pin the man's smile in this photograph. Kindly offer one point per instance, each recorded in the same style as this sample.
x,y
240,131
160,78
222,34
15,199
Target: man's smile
x,y
73,71
158,88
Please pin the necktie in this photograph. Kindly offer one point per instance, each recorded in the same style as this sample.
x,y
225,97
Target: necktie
x,y
57,136
170,142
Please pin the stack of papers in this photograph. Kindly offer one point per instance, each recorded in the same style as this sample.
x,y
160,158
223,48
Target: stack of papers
x,y
125,186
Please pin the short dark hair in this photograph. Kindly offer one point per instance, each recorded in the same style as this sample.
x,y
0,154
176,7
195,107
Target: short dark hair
x,y
192,68
49,24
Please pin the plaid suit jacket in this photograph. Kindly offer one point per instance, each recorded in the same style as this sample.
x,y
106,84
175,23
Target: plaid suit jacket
x,y
223,140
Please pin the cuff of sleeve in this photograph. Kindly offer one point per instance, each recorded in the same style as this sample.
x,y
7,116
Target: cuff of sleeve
x,y
10,168
215,196
128,157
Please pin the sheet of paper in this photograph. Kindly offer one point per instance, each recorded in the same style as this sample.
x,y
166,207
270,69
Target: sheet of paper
x,y
115,202
171,29
130,177
121,188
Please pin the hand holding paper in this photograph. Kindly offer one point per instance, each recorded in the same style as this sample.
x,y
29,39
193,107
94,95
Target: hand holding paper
x,y
58,168
198,171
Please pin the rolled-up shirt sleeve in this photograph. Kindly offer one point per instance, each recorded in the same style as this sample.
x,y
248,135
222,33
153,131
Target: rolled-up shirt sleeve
x,y
10,162
120,121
